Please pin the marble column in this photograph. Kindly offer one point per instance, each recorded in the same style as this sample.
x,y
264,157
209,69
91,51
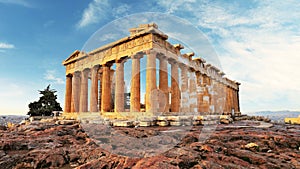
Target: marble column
x,y
231,100
151,99
224,96
94,89
192,91
75,92
135,92
175,93
199,90
235,100
83,106
184,89
106,89
100,75
119,86
212,107
163,84
206,97
227,101
68,97
238,101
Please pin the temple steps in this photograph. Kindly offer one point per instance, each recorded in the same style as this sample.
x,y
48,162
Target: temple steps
x,y
145,119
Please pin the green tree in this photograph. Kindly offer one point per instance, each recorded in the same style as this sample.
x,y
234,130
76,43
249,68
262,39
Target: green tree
x,y
46,104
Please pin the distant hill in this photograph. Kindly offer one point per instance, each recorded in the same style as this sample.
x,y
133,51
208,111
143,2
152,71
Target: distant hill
x,y
276,116
16,119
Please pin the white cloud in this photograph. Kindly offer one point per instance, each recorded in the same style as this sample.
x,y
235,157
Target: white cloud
x,y
99,10
108,36
96,11
51,76
257,45
120,10
16,2
257,42
6,45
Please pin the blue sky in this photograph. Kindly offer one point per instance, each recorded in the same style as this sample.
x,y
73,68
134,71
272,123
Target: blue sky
x,y
257,43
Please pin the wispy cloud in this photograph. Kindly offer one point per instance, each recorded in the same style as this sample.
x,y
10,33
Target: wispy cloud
x,y
4,45
120,10
99,10
257,43
50,75
17,2
95,11
108,36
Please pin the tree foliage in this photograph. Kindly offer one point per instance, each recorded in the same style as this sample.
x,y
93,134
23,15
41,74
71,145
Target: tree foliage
x,y
46,104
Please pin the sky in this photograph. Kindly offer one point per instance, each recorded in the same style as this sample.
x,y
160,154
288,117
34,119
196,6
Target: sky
x,y
257,43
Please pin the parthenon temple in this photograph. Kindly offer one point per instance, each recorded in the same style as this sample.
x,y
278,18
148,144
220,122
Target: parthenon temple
x,y
175,82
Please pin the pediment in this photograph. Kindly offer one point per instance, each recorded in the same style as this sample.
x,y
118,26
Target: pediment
x,y
74,55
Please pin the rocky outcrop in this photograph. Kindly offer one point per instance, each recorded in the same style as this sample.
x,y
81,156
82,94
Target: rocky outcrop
x,y
67,145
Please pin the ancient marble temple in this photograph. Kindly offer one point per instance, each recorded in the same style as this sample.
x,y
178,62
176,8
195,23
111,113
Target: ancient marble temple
x,y
196,86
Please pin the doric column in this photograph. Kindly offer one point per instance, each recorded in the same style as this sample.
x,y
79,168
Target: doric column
x,y
205,98
83,106
75,92
226,110
106,89
151,99
219,96
222,97
199,90
163,84
119,88
175,93
238,100
212,107
68,97
184,89
100,75
94,89
235,100
192,91
231,100
135,95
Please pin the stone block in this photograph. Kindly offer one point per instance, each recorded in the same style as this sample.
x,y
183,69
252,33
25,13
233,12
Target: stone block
x,y
145,123
162,123
122,123
175,123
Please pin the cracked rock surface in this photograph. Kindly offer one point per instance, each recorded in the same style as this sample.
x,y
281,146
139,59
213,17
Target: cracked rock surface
x,y
49,145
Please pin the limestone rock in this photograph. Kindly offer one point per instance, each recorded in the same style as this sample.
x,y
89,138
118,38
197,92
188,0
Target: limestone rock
x,y
68,146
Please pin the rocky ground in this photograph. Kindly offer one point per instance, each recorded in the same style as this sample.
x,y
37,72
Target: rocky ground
x,y
72,145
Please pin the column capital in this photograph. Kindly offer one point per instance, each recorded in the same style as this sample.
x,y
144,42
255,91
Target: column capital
x,y
96,67
77,74
138,55
122,60
182,66
161,56
173,61
151,52
69,75
86,70
107,64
